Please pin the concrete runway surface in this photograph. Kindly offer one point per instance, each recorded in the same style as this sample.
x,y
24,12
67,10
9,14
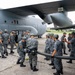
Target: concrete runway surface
x,y
8,66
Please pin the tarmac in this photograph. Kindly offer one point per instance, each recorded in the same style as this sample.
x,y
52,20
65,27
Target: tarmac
x,y
8,66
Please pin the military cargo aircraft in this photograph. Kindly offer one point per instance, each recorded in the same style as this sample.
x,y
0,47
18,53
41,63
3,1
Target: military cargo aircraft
x,y
17,18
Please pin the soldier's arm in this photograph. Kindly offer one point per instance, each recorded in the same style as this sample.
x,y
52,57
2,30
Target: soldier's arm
x,y
55,49
69,42
54,52
64,40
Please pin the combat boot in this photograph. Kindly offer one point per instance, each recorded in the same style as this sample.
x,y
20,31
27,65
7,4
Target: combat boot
x,y
11,52
18,62
61,71
57,73
3,56
70,61
22,65
53,67
31,67
51,64
35,69
6,53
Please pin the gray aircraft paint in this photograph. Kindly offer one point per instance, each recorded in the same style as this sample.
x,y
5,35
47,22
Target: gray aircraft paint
x,y
59,19
36,26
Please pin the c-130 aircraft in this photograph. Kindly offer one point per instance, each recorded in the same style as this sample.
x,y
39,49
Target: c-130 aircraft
x,y
18,19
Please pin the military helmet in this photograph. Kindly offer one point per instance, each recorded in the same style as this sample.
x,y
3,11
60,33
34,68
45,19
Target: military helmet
x,y
56,36
23,38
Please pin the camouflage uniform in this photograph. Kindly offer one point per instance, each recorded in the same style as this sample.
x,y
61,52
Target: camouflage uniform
x,y
12,42
5,38
21,51
32,45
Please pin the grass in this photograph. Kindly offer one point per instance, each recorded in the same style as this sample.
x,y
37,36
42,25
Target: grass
x,y
58,31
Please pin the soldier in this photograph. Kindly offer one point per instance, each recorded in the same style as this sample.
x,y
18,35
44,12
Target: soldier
x,y
63,42
47,46
32,45
72,42
21,51
12,41
27,34
51,50
69,45
1,44
57,52
5,38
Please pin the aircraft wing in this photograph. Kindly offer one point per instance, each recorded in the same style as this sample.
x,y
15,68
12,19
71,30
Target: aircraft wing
x,y
44,8
61,28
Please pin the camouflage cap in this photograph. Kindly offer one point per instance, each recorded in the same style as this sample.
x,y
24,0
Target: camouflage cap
x,y
52,34
56,36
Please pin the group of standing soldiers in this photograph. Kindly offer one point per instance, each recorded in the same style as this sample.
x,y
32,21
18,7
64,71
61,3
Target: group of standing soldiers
x,y
5,39
57,47
28,45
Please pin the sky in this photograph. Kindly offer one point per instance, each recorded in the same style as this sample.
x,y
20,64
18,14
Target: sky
x,y
4,4
71,15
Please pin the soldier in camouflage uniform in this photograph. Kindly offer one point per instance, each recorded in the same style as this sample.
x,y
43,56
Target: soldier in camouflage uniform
x,y
72,42
57,52
32,45
52,49
47,46
21,51
26,34
12,41
69,45
1,45
5,38
63,42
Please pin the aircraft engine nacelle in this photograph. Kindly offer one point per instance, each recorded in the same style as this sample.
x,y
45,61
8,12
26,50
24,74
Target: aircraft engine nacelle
x,y
60,19
48,19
